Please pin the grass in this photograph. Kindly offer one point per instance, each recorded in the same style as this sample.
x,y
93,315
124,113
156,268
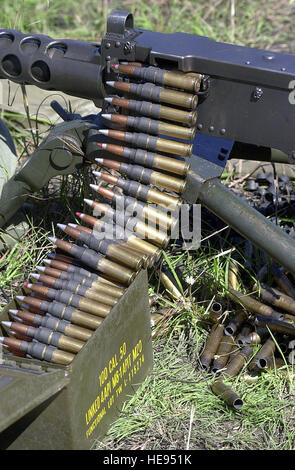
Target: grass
x,y
174,408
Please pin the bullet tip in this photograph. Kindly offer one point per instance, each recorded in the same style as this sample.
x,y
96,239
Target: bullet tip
x,y
115,66
7,323
103,131
106,116
52,239
103,146
94,187
34,275
13,312
41,268
51,255
1,339
47,261
88,201
20,297
108,99
73,225
110,83
28,285
62,226
99,160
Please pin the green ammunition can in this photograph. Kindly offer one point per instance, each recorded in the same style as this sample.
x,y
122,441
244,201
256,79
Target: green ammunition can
x,y
53,407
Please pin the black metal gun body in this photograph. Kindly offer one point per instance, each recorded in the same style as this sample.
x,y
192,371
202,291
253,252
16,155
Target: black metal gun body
x,y
248,90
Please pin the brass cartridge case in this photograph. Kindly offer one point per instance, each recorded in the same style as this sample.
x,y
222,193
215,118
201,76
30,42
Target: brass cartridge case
x,y
233,275
169,286
255,337
236,322
260,360
216,311
211,346
157,111
221,357
116,272
158,197
245,331
156,236
226,394
62,357
278,299
69,344
237,363
253,305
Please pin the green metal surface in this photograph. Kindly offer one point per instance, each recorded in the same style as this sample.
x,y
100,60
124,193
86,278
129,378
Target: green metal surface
x,y
103,375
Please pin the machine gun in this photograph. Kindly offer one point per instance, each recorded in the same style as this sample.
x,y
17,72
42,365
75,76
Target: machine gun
x,y
241,96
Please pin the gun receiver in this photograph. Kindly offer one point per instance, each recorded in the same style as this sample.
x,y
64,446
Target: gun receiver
x,y
243,82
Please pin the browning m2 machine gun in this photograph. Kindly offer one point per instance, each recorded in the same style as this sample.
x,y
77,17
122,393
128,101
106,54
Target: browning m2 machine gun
x,y
195,101
241,97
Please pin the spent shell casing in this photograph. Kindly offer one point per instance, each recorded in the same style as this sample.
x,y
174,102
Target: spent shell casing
x,y
148,159
265,352
216,311
211,346
253,305
255,337
233,275
236,322
170,287
150,142
275,325
223,352
278,299
283,281
156,111
97,261
227,394
158,94
175,79
151,126
245,331
237,363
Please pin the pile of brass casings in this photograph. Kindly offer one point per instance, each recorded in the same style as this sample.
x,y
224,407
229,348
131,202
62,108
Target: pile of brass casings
x,y
258,336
